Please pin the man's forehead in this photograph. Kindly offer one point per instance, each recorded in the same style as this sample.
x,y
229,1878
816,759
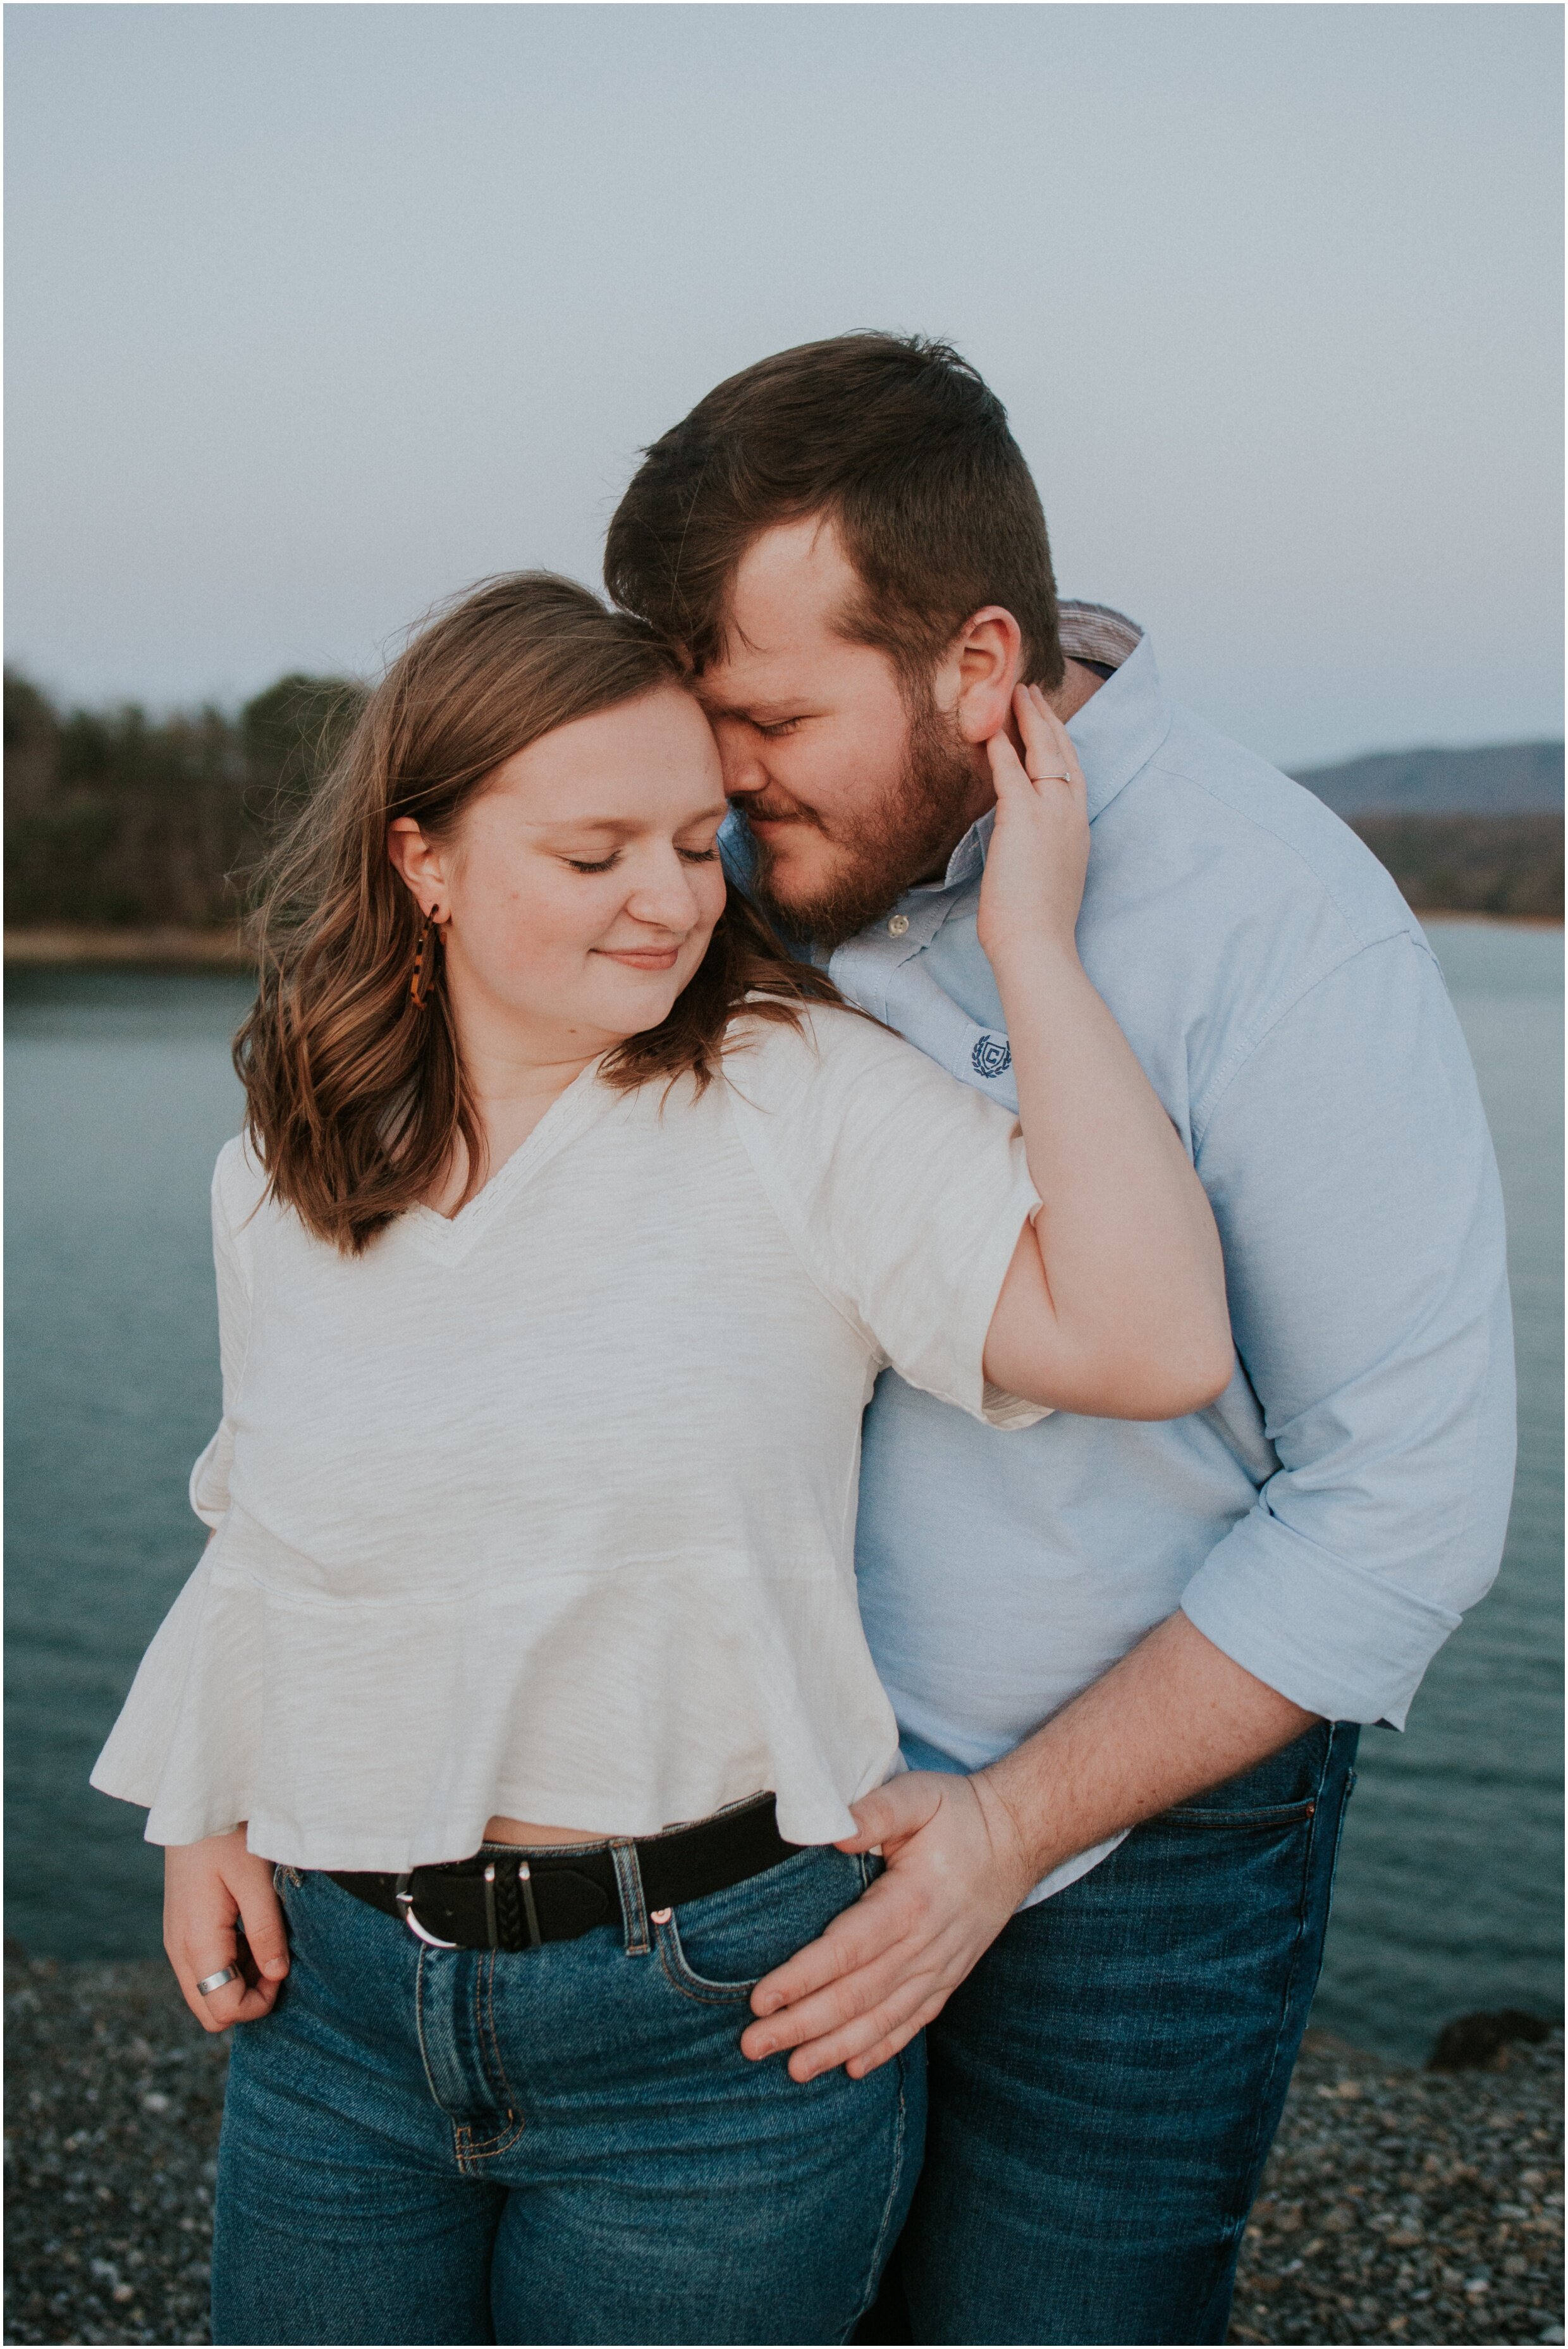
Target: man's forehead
x,y
790,587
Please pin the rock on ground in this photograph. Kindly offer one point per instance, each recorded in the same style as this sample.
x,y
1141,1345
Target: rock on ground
x,y
1398,2206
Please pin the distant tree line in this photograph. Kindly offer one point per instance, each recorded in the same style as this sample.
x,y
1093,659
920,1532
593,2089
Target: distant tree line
x,y
1506,864
114,820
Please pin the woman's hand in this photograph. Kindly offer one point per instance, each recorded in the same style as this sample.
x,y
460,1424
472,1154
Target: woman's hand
x,y
209,1889
1114,1306
1039,855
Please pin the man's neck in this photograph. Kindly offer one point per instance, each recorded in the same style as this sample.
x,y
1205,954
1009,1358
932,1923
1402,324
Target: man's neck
x,y
1078,686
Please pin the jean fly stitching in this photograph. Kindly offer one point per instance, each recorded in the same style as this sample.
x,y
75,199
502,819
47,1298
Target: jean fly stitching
x,y
484,2005
633,1908
419,2029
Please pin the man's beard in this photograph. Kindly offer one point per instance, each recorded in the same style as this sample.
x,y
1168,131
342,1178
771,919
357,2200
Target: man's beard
x,y
905,839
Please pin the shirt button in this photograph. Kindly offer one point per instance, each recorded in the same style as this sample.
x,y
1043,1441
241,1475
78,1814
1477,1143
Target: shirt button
x,y
897,924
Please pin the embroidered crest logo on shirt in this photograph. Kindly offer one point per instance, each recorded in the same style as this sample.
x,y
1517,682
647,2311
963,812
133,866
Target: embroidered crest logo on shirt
x,y
991,1056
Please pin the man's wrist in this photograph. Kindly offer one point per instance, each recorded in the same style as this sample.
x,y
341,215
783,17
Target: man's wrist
x,y
1009,1845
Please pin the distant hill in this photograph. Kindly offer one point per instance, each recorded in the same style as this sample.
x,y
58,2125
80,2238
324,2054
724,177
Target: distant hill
x,y
1506,779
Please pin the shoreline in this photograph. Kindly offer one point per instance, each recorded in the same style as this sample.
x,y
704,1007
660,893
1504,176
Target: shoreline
x,y
62,946
1398,2206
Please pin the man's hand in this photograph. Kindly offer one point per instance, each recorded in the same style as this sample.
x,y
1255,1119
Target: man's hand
x,y
210,1890
1174,1716
957,1869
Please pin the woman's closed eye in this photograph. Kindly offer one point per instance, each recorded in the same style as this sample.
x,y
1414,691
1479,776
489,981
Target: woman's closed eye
x,y
607,863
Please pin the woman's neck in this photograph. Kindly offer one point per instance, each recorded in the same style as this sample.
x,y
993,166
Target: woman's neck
x,y
514,1075
508,1098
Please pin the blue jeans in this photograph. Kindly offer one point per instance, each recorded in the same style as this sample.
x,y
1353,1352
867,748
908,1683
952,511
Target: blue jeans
x,y
564,2145
1106,2085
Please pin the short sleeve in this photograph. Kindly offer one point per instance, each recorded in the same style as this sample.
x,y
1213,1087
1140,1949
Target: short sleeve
x,y
903,1192
236,1191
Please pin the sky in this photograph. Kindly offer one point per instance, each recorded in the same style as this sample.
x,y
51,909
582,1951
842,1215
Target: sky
x,y
318,312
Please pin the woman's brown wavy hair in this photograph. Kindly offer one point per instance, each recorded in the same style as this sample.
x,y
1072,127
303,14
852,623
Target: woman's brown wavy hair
x,y
357,1096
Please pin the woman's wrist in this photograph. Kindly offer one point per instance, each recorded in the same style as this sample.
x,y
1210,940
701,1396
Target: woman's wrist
x,y
1034,961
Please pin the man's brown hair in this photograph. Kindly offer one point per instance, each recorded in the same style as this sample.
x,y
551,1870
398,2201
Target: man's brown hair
x,y
894,439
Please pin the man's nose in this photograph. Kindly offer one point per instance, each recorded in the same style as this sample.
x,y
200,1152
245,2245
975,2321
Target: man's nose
x,y
743,770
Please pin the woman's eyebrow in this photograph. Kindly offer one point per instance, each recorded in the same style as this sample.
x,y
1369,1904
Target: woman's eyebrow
x,y
625,827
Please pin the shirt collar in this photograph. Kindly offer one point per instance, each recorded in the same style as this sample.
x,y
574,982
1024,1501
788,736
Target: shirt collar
x,y
1115,734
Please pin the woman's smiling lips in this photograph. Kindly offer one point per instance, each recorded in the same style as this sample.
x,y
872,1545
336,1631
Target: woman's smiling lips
x,y
642,958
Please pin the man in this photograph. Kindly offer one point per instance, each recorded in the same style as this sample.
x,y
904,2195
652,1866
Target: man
x,y
1129,1660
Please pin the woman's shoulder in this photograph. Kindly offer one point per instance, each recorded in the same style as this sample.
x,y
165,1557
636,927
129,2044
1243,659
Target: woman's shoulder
x,y
787,1043
239,1181
824,1052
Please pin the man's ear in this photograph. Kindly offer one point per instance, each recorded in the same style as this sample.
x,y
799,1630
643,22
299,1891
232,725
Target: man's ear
x,y
982,669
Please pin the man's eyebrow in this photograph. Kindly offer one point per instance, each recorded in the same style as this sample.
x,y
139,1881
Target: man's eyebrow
x,y
759,713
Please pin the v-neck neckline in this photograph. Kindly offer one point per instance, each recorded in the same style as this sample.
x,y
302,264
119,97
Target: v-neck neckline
x,y
453,1235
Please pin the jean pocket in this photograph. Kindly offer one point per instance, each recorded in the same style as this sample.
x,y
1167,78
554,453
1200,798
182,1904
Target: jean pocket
x,y
1268,1815
685,1976
717,1949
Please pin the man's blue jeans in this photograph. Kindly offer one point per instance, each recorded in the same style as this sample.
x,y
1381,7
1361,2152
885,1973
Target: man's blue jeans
x,y
564,2145
1104,2086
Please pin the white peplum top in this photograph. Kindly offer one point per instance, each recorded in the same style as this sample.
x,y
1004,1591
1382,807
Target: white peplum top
x,y
548,1509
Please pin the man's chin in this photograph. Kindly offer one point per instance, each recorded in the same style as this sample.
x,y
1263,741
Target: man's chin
x,y
828,907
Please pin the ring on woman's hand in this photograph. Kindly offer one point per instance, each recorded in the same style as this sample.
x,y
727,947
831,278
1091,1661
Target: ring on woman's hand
x,y
209,1983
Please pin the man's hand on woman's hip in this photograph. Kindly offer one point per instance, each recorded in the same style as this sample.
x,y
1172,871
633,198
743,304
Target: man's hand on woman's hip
x,y
957,1869
1174,1715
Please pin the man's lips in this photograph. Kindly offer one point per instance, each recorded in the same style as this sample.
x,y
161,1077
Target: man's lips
x,y
766,820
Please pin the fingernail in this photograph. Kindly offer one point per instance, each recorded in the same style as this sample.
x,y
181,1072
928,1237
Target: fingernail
x,y
764,2047
768,2005
277,1967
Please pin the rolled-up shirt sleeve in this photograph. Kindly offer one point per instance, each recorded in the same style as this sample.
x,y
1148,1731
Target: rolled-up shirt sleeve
x,y
1353,1179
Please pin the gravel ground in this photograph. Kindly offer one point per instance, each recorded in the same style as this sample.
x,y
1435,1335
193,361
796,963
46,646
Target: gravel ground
x,y
1411,2206
1398,2206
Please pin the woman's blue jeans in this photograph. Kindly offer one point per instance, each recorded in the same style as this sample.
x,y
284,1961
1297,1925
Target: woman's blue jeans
x,y
562,2144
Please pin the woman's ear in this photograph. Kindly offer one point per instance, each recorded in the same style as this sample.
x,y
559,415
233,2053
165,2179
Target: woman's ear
x,y
419,861
985,662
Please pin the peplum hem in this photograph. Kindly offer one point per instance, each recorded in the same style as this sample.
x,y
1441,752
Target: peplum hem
x,y
385,1734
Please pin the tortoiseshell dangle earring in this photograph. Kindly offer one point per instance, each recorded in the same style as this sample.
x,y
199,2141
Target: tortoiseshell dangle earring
x,y
424,979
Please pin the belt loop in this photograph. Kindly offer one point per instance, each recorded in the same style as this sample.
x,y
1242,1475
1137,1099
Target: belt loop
x,y
634,1908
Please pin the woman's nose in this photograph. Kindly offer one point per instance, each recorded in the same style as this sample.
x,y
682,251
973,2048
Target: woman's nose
x,y
664,896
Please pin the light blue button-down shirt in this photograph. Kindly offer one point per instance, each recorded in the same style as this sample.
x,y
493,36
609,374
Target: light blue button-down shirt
x,y
1326,1522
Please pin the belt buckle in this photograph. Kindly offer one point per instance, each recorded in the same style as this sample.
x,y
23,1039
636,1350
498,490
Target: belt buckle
x,y
405,1903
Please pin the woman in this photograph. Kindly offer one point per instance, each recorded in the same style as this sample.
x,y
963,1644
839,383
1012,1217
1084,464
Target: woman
x,y
571,1225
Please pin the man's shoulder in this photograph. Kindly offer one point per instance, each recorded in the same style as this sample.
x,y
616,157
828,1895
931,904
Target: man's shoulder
x,y
1254,843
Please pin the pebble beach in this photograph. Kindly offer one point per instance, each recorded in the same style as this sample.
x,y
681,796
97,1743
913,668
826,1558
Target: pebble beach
x,y
1398,2205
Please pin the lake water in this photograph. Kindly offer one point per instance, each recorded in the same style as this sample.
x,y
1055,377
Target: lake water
x,y
120,1094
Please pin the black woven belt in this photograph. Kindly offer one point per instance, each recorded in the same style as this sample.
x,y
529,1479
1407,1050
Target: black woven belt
x,y
504,1900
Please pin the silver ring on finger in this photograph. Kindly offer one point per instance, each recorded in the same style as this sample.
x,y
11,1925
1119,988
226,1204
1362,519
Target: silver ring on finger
x,y
1050,779
209,1984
